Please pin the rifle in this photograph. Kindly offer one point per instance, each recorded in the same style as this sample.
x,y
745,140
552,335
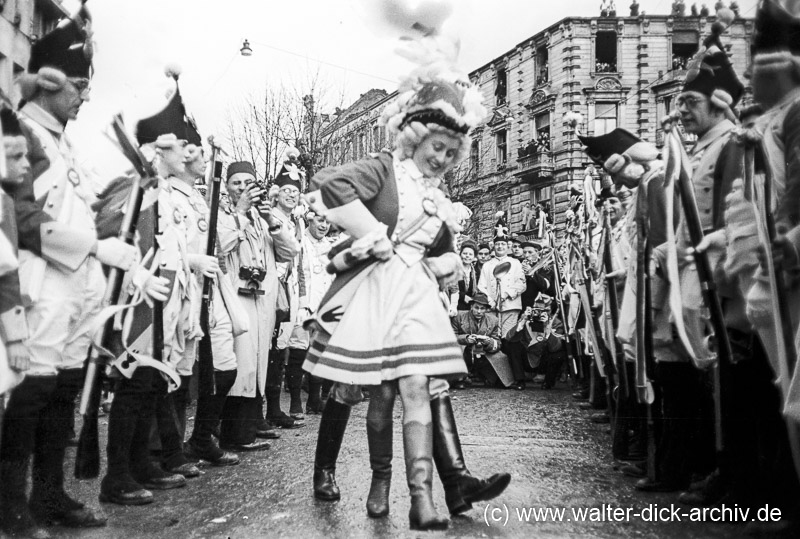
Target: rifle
x,y
644,323
706,277
206,382
87,459
612,314
576,365
787,354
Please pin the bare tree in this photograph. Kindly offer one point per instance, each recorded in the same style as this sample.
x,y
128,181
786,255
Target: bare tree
x,y
265,124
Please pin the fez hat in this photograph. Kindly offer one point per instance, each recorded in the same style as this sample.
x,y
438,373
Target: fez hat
x,y
239,167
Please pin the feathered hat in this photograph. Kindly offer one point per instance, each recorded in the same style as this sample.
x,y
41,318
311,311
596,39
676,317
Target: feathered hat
x,y
710,71
171,123
290,173
66,51
436,91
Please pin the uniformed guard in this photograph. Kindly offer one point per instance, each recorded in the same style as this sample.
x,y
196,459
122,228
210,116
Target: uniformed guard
x,y
62,282
137,400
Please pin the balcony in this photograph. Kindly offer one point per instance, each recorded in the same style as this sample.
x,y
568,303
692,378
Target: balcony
x,y
536,167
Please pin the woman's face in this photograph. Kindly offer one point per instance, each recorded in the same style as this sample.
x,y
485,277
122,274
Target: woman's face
x,y
467,256
436,154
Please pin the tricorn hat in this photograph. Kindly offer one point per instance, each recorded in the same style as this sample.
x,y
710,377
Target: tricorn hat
x,y
289,174
171,120
777,27
608,150
10,123
67,48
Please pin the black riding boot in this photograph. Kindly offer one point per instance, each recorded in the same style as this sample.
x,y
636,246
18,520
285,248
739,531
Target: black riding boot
x,y
460,487
418,442
332,425
379,439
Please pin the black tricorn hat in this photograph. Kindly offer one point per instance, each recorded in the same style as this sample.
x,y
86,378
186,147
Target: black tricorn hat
x,y
171,119
67,48
601,148
777,27
192,134
710,72
10,123
289,176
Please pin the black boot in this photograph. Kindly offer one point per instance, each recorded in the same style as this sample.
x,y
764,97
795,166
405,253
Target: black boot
x,y
460,487
379,439
314,402
16,518
418,444
294,379
332,425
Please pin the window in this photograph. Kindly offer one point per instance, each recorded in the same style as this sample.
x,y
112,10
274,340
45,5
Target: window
x,y
684,46
542,60
501,90
502,147
542,135
605,119
475,156
362,145
605,53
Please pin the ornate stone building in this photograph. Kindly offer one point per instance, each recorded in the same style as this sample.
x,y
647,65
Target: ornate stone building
x,y
614,71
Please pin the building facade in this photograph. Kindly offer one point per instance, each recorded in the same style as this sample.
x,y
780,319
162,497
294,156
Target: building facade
x,y
21,23
614,71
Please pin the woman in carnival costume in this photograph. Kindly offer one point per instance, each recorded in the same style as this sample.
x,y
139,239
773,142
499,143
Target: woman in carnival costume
x,y
383,323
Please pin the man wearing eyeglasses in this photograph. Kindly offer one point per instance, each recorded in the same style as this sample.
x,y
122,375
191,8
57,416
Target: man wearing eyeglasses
x,y
285,194
62,284
710,91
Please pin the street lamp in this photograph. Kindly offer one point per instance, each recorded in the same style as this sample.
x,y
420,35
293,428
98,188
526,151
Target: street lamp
x,y
246,50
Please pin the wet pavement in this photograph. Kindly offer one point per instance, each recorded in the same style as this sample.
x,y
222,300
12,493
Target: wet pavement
x,y
558,459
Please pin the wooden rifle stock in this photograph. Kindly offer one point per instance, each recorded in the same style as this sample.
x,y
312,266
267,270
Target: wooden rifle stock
x,y
708,288
206,382
87,459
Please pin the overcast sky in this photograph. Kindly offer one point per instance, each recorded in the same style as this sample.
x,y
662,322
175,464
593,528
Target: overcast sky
x,y
290,39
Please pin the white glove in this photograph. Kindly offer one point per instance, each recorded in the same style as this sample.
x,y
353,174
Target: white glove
x,y
116,253
153,288
207,265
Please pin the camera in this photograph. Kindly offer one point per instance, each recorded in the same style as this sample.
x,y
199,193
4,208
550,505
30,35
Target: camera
x,y
254,275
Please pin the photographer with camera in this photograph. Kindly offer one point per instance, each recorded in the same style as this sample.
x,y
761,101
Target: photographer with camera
x,y
538,337
478,333
252,240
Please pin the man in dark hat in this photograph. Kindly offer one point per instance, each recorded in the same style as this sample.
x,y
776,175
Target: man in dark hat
x,y
61,265
285,194
759,470
188,198
138,399
537,281
477,330
252,240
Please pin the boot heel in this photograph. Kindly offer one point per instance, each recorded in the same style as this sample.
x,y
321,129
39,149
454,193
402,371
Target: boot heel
x,y
378,498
